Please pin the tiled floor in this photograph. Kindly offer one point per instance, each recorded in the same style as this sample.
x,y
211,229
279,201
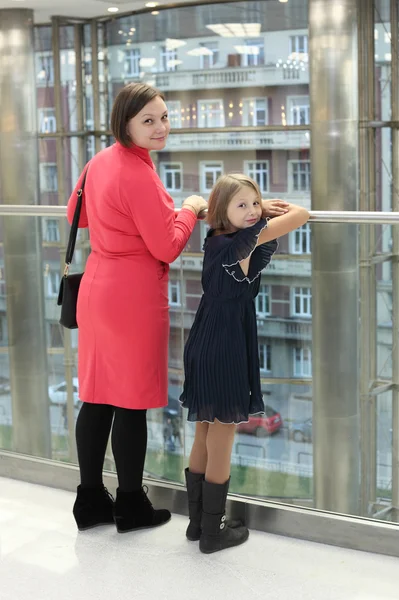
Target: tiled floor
x,y
43,557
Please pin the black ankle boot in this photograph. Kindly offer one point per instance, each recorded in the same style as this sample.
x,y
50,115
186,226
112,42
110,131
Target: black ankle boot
x,y
194,495
133,510
216,534
93,506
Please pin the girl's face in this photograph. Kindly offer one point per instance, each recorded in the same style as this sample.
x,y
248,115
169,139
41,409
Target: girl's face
x,y
244,209
150,128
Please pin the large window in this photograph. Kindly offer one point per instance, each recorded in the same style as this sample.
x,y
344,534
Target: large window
x,y
132,62
302,361
300,240
44,69
298,110
169,60
254,111
174,113
210,55
301,302
174,293
300,176
262,301
48,177
298,46
265,358
53,283
51,230
210,172
172,176
47,122
253,53
210,113
259,171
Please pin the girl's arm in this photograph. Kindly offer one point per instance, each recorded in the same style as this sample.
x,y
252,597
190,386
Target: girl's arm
x,y
295,217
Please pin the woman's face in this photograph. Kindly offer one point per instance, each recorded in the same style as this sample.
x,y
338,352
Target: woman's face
x,y
150,128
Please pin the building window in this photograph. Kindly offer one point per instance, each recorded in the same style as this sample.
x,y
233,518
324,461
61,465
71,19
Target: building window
x,y
210,113
210,172
52,230
168,59
48,177
265,358
53,283
299,110
262,302
259,171
174,293
254,112
47,122
209,60
174,113
302,361
45,69
132,62
253,53
300,176
172,176
301,240
302,302
298,46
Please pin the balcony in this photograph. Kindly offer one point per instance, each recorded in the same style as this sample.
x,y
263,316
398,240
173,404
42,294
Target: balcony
x,y
237,140
291,329
230,78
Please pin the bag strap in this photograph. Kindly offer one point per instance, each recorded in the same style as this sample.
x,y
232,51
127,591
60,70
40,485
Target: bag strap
x,y
74,227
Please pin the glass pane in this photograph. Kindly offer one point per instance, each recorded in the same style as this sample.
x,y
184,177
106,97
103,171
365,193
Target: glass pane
x,y
383,59
241,57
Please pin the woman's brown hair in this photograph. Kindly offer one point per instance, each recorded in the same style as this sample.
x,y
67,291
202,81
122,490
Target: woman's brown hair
x,y
222,192
128,103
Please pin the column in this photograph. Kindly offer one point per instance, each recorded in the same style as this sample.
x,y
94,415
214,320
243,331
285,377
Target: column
x,y
335,162
21,236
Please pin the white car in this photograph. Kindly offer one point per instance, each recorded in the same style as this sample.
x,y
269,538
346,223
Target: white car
x,y
58,393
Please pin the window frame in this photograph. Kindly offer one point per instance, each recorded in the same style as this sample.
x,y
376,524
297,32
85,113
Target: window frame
x,y
46,223
266,366
302,372
210,163
252,172
50,118
221,111
174,284
265,291
131,62
291,164
291,106
43,177
164,170
249,120
303,231
307,297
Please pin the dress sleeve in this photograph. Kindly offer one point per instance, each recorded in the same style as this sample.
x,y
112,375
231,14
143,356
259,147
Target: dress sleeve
x,y
152,211
83,221
244,245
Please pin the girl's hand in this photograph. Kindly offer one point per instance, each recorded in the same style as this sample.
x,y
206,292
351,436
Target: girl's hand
x,y
274,208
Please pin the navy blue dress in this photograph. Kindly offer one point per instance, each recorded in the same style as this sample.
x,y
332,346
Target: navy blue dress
x,y
221,360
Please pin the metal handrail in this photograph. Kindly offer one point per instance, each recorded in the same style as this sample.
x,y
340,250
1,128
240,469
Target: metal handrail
x,y
316,216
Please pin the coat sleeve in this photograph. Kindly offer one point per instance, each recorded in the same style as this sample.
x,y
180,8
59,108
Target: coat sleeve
x,y
83,222
164,234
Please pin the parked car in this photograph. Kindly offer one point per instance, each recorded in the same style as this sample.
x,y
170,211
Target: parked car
x,y
302,431
262,425
58,393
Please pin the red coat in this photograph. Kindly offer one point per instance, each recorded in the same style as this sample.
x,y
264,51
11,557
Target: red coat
x,y
123,312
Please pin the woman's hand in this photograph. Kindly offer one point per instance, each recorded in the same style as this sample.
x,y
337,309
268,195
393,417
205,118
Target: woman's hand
x,y
197,204
274,208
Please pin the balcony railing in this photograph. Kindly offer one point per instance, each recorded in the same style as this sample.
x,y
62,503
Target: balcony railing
x,y
238,140
230,77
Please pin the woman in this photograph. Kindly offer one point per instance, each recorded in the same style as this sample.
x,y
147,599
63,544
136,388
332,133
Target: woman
x,y
123,308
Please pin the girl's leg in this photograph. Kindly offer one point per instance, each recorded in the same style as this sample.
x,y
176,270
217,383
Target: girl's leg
x,y
219,444
199,454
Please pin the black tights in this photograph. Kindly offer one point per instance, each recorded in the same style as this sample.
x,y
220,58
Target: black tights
x,y
129,444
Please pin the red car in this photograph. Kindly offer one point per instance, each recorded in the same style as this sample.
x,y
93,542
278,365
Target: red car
x,y
262,425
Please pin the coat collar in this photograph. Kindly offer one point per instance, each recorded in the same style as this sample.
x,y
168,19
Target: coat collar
x,y
137,151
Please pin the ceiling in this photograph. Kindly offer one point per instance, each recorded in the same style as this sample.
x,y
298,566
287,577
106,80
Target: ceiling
x,y
45,9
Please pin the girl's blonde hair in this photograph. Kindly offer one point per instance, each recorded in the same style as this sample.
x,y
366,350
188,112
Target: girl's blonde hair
x,y
222,192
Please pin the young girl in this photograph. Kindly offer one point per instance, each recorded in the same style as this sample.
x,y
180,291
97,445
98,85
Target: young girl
x,y
221,362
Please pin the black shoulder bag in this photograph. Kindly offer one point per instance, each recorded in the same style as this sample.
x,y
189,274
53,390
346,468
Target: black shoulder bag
x,y
69,287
